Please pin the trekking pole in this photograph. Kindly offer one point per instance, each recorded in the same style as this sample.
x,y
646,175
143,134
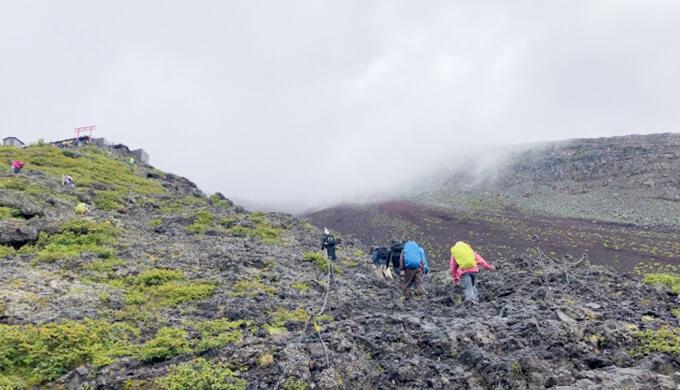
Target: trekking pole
x,y
544,275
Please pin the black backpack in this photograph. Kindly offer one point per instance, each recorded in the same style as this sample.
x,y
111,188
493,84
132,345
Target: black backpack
x,y
383,252
329,239
397,246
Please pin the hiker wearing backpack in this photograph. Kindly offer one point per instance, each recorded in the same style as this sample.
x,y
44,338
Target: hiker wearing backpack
x,y
67,181
379,256
328,243
82,209
464,266
16,166
393,256
412,265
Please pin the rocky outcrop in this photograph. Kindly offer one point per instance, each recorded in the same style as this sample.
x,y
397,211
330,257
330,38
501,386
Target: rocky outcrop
x,y
629,180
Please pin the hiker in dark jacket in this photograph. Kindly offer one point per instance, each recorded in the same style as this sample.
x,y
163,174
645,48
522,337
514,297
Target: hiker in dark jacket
x,y
393,256
412,265
379,256
328,243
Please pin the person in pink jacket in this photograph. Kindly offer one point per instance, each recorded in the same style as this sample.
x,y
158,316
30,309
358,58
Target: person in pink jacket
x,y
464,266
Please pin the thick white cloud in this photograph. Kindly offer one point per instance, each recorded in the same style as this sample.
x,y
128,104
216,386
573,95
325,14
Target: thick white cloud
x,y
302,104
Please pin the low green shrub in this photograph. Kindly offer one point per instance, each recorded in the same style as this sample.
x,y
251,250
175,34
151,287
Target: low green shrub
x,y
262,229
670,280
215,200
174,293
295,384
163,287
199,374
663,340
6,251
218,333
9,213
203,219
158,276
250,288
104,265
35,354
266,233
280,315
156,222
300,286
169,342
109,200
228,222
75,237
320,262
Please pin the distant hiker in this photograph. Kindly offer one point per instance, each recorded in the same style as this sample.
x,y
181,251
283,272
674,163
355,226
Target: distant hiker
x,y
67,181
82,209
463,265
379,256
328,243
412,264
16,166
393,256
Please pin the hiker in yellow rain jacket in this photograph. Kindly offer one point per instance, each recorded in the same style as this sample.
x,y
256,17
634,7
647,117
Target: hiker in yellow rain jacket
x,y
463,265
82,209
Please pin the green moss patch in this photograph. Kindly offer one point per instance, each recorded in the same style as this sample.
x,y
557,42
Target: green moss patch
x,y
75,237
218,333
280,316
169,342
250,288
10,213
203,219
292,383
670,280
163,287
200,374
6,251
300,286
663,340
34,354
321,262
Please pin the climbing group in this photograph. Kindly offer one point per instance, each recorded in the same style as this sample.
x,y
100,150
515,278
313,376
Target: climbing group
x,y
409,262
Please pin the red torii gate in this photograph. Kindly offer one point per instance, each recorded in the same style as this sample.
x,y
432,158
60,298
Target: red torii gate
x,y
78,130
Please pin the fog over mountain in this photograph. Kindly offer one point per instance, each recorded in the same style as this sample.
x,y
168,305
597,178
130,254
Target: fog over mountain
x,y
298,105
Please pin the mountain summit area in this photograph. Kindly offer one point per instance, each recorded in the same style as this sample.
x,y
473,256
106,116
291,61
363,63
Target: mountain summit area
x,y
161,286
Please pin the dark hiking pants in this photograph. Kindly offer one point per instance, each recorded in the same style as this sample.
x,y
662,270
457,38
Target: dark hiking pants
x,y
413,276
330,249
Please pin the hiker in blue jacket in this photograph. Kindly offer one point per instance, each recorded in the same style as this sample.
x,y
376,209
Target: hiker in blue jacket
x,y
412,265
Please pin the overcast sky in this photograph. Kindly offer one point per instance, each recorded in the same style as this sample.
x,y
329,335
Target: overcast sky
x,y
301,104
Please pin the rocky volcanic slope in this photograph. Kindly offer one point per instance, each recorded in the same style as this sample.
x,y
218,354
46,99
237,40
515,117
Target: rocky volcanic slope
x,y
632,179
162,287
